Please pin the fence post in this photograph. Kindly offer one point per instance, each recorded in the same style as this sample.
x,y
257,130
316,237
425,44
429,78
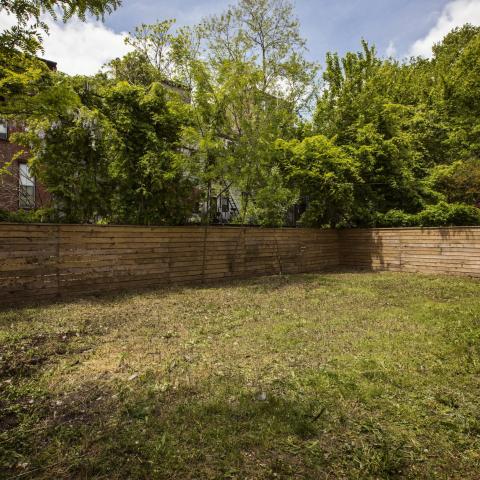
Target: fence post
x,y
204,259
57,260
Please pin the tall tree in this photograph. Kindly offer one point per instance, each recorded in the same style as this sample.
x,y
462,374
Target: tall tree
x,y
144,157
250,83
456,69
371,108
412,126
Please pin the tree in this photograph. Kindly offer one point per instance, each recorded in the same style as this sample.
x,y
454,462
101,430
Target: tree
x,y
323,173
379,111
115,158
68,155
412,127
456,66
248,80
265,32
358,111
153,43
134,68
28,88
26,35
251,82
144,157
390,143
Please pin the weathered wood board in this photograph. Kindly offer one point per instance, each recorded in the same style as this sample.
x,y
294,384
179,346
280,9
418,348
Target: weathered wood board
x,y
49,261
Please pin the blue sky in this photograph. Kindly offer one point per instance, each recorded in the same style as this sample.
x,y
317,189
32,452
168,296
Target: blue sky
x,y
398,28
328,25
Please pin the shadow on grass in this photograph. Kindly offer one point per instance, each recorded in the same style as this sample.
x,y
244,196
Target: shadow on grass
x,y
262,284
223,430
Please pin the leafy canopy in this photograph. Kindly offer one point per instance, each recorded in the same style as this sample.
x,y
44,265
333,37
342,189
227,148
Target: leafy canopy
x,y
412,127
115,157
382,142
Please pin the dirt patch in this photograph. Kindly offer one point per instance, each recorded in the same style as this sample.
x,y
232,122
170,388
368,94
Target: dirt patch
x,y
22,357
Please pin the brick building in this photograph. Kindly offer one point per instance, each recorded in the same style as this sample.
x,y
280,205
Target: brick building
x,y
18,189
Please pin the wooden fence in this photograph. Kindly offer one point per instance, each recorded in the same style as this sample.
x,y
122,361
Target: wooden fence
x,y
453,251
45,261
49,261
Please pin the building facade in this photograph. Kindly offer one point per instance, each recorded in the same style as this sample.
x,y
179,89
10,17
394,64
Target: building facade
x,y
18,188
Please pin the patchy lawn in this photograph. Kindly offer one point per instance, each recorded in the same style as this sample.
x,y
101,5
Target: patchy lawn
x,y
310,376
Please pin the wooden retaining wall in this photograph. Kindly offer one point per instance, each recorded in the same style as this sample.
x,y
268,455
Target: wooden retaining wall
x,y
453,251
48,261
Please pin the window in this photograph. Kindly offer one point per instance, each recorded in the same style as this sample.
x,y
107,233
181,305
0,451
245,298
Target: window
x,y
225,204
3,130
26,187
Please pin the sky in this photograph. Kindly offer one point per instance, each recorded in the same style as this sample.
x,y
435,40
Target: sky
x,y
398,28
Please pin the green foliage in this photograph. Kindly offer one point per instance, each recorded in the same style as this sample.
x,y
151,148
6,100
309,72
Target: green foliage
x,y
445,214
23,216
250,79
458,181
389,143
133,68
412,128
115,158
442,214
28,88
272,201
395,218
457,67
143,159
325,174
152,42
69,158
362,111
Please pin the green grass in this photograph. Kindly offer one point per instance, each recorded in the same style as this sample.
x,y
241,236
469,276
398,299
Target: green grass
x,y
348,375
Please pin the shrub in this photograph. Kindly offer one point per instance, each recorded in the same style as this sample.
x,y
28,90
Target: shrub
x,y
23,216
439,215
394,218
448,214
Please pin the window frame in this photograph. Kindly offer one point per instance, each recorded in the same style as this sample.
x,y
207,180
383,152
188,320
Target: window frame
x,y
26,201
225,204
4,135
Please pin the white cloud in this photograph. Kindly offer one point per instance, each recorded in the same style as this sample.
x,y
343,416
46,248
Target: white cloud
x,y
82,48
79,47
391,49
455,14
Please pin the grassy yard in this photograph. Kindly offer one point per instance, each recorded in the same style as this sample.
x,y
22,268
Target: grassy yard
x,y
348,375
